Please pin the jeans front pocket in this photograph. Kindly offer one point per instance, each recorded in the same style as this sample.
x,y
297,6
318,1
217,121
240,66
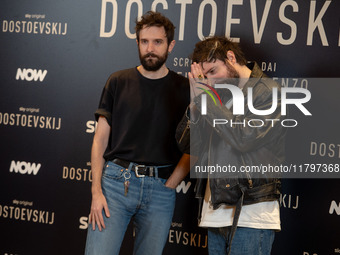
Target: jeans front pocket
x,y
162,182
113,171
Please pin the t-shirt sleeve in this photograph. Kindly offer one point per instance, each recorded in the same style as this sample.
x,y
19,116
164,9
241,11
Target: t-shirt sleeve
x,y
106,102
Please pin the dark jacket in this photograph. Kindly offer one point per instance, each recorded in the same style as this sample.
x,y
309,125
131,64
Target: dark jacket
x,y
239,145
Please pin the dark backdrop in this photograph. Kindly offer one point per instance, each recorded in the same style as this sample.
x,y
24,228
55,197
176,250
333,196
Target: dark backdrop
x,y
55,59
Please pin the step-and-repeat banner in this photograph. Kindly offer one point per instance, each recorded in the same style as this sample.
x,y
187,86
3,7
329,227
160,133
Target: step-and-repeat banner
x,y
55,59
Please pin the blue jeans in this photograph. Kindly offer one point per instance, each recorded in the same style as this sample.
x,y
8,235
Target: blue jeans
x,y
148,201
247,241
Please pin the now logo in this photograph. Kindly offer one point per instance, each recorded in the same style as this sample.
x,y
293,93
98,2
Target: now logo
x,y
30,74
334,208
183,187
23,167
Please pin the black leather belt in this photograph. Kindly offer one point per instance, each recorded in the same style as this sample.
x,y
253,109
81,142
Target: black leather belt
x,y
143,170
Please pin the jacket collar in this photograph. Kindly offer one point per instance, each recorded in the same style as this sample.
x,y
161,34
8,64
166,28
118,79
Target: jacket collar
x,y
255,75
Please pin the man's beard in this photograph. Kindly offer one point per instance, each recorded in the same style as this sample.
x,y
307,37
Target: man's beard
x,y
234,76
153,64
232,71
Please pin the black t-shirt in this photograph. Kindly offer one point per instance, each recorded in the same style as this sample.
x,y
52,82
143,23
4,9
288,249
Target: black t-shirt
x,y
143,114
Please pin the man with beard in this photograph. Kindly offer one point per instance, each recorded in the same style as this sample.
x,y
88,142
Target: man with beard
x,y
240,209
136,164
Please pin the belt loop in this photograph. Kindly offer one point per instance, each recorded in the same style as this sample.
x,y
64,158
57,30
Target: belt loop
x,y
152,171
155,173
131,166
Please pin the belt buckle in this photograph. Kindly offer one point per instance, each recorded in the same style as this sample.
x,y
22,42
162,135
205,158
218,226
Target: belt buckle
x,y
136,171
